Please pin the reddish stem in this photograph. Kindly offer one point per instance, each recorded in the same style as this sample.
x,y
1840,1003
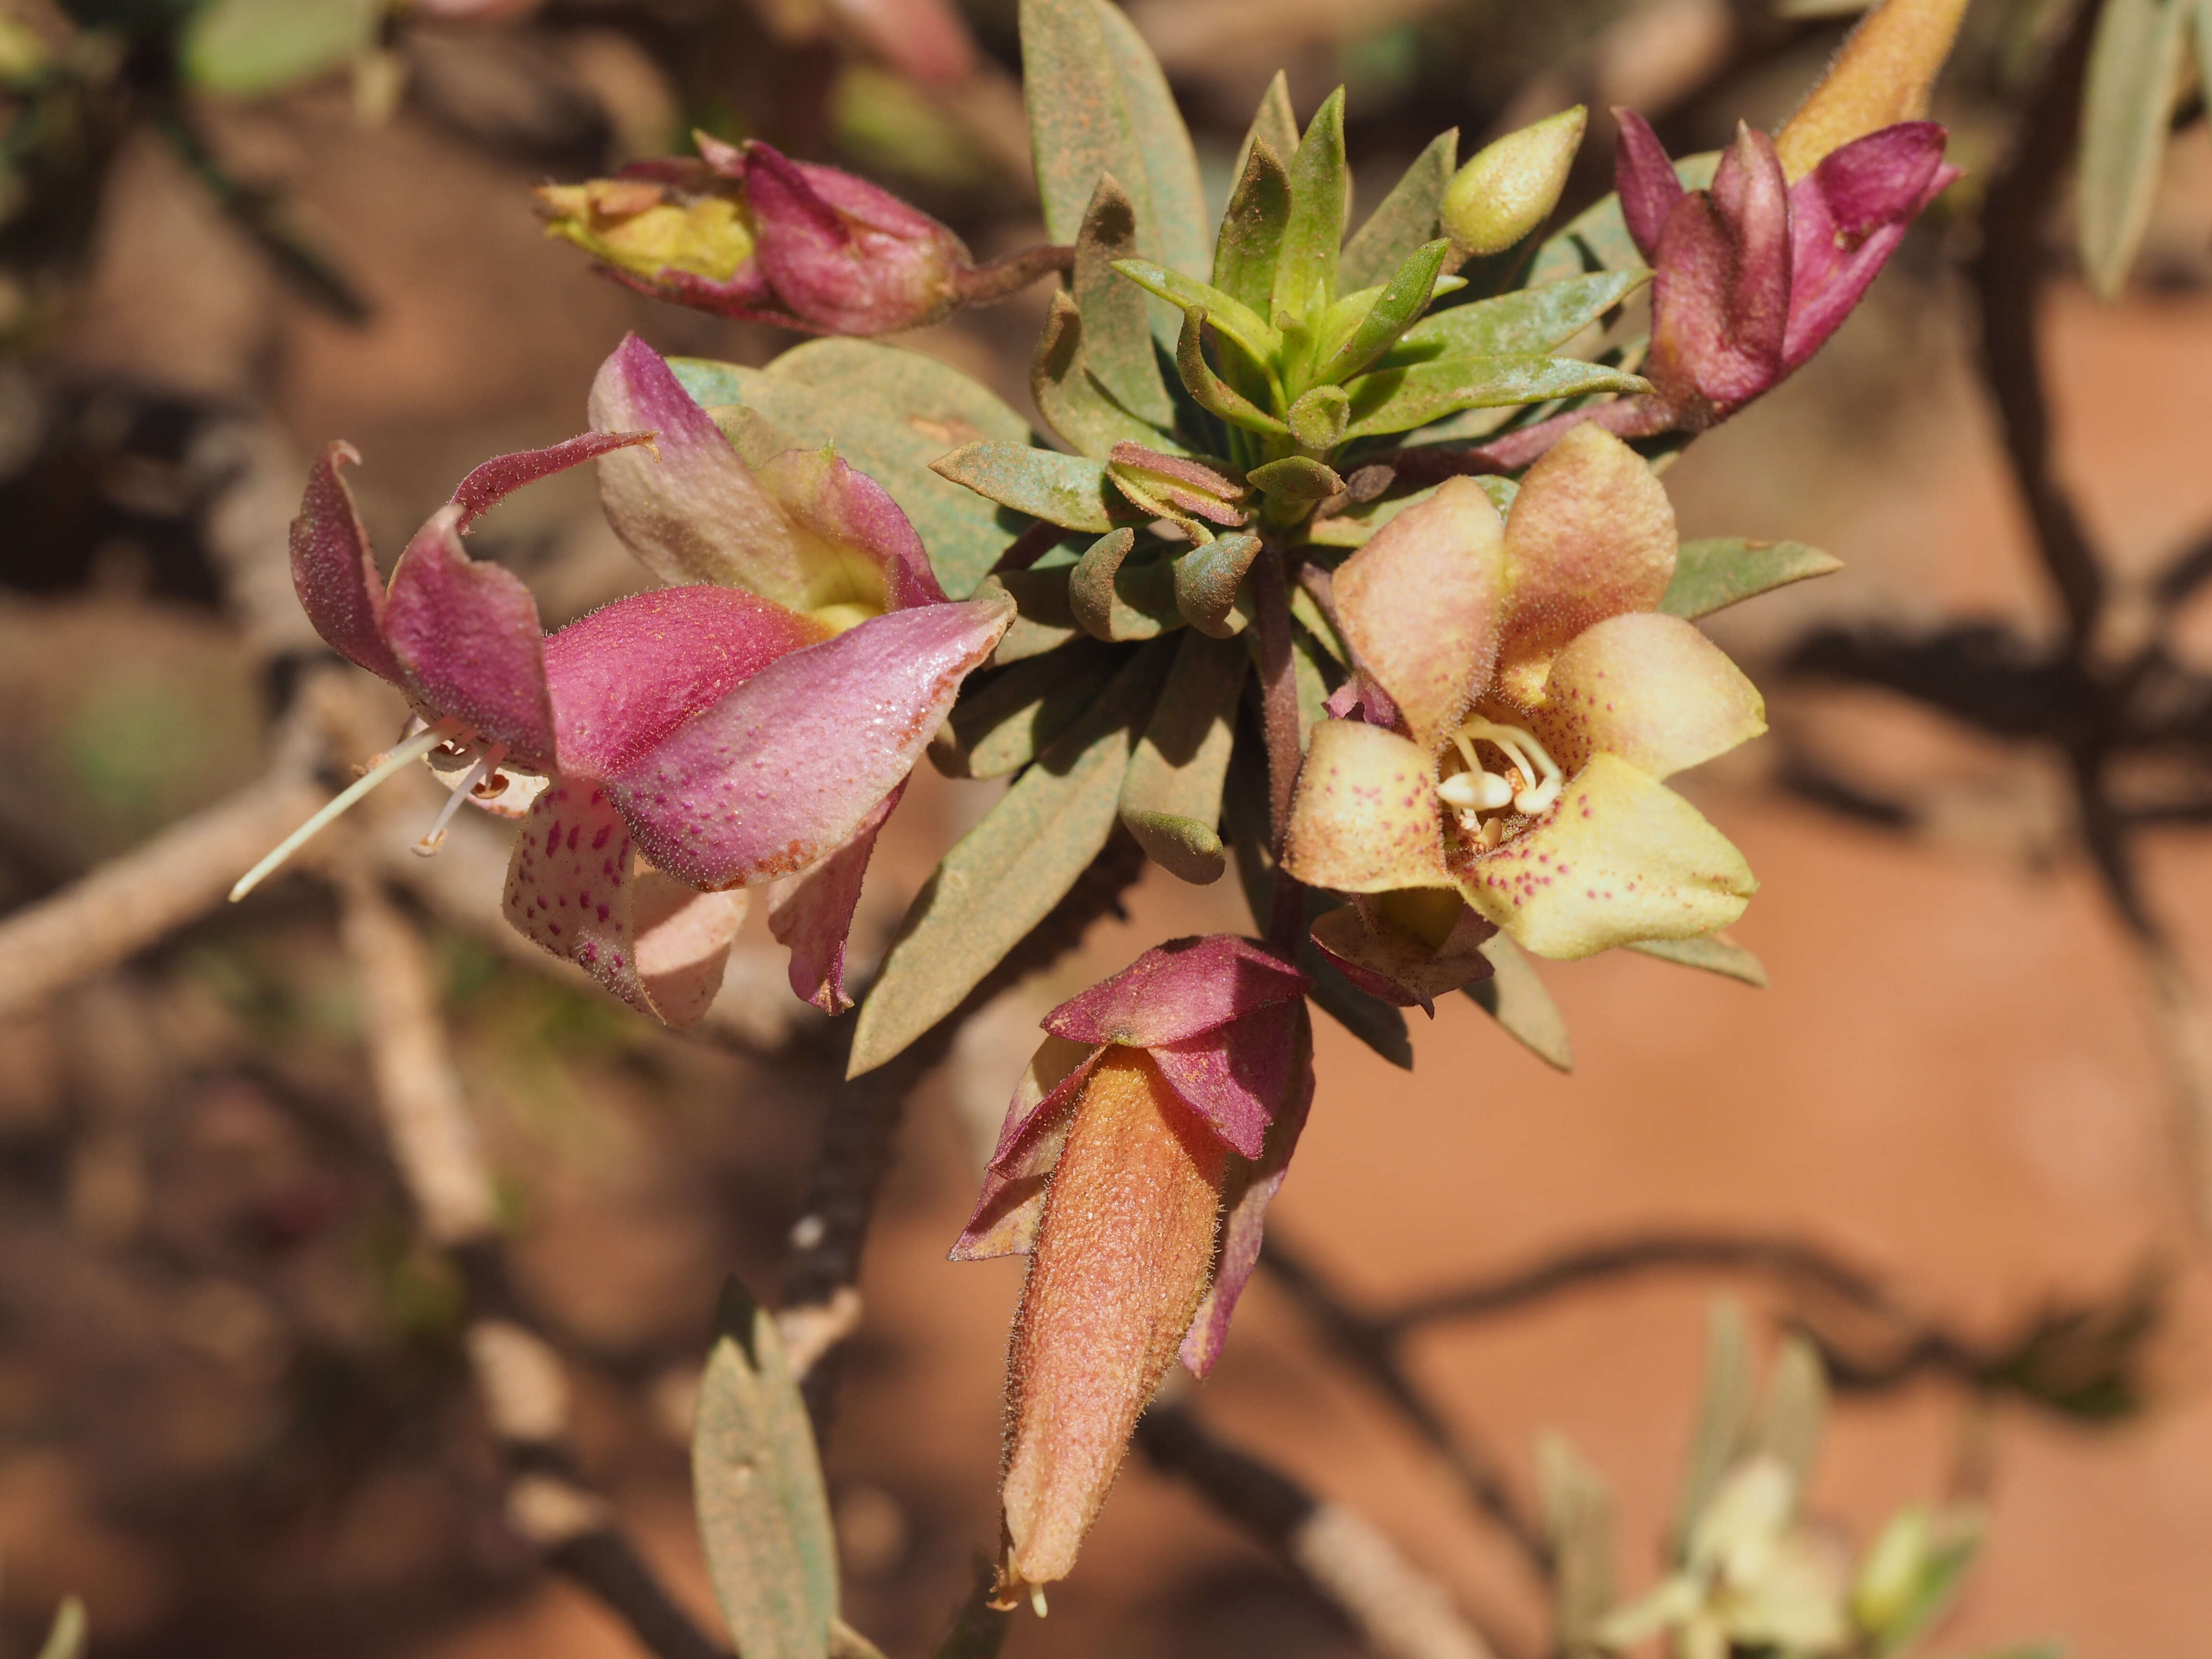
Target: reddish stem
x,y
1278,686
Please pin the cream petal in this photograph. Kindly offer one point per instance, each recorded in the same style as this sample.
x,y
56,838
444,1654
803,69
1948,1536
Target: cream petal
x,y
1365,819
1591,535
1421,605
1650,689
1621,858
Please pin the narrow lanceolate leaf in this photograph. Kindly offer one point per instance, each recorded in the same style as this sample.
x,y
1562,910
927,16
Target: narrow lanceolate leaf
x,y
1208,580
1723,1428
1716,953
1162,143
1796,1412
2127,98
890,413
1406,219
1073,404
1530,320
764,1517
1117,326
1578,1523
1320,197
1069,490
1713,574
1598,238
1230,317
1043,620
1208,390
1251,241
1171,797
1403,299
1000,727
1004,875
1516,998
1400,399
1275,123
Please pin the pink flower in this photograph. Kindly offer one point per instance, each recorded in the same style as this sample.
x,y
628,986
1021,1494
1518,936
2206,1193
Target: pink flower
x,y
1163,1107
756,722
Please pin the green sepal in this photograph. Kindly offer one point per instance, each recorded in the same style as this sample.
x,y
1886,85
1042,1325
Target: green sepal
x,y
1171,797
1711,952
1529,319
1208,390
998,727
756,1482
890,412
1002,877
1318,419
1713,574
1321,196
1400,399
1117,318
1246,254
1406,218
1516,998
1068,491
1294,479
1598,238
1232,317
1208,580
1401,302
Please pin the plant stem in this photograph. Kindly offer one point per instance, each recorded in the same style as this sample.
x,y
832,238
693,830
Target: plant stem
x,y
1279,688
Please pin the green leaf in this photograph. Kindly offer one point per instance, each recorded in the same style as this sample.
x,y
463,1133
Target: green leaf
x,y
1230,317
2127,98
1530,320
1208,580
1162,144
1406,219
1171,797
999,727
890,412
1208,390
249,48
1403,301
1250,245
65,1637
1714,953
1116,317
1711,574
1002,877
1400,399
1598,238
1068,491
1319,418
1321,198
1723,1425
1578,1523
1073,404
1516,998
1296,478
763,1516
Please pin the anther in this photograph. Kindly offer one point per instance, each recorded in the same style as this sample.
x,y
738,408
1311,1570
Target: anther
x,y
1477,790
469,785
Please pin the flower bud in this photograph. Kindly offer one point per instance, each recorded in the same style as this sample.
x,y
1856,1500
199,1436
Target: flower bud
x,y
1509,187
1882,76
663,235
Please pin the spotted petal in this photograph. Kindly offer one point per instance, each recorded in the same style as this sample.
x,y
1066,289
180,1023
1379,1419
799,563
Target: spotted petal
x,y
784,770
1365,819
1621,858
574,886
1421,603
1176,992
815,918
1650,689
1590,535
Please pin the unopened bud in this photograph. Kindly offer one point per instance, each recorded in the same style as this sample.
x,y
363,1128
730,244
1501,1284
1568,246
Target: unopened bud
x,y
846,256
1509,187
660,236
1882,76
1123,1256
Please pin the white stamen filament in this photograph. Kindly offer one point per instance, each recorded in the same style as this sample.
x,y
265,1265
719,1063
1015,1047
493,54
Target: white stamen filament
x,y
1477,790
413,749
483,769
1036,1599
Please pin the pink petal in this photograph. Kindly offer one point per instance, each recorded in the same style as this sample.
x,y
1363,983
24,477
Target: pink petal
x,y
815,917
573,886
786,768
844,254
1420,606
1847,217
335,573
502,476
1646,181
1234,1075
1650,689
467,634
1241,1226
626,676
1012,1203
1177,991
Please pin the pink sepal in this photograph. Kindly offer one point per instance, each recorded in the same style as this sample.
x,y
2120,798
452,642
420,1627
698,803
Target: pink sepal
x,y
1177,991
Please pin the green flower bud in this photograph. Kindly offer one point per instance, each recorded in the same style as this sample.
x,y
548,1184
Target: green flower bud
x,y
1509,187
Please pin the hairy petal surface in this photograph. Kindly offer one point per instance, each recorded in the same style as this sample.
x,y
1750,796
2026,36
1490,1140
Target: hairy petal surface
x,y
1365,819
784,770
815,917
1652,689
488,485
1178,991
1420,606
334,571
1621,858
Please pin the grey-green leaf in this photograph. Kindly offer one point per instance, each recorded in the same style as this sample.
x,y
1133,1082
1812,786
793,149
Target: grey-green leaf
x,y
1296,478
1401,302
999,728
1161,143
1713,574
2127,98
1043,621
1171,797
1207,579
1400,399
1516,998
1320,197
1117,317
249,48
1529,319
890,412
1797,1410
1068,491
1002,877
1406,219
1712,952
1598,238
763,1516
1073,404
1723,1426
1578,1523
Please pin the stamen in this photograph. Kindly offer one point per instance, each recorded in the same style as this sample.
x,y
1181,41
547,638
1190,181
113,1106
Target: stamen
x,y
1036,1599
413,749
1479,790
468,786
